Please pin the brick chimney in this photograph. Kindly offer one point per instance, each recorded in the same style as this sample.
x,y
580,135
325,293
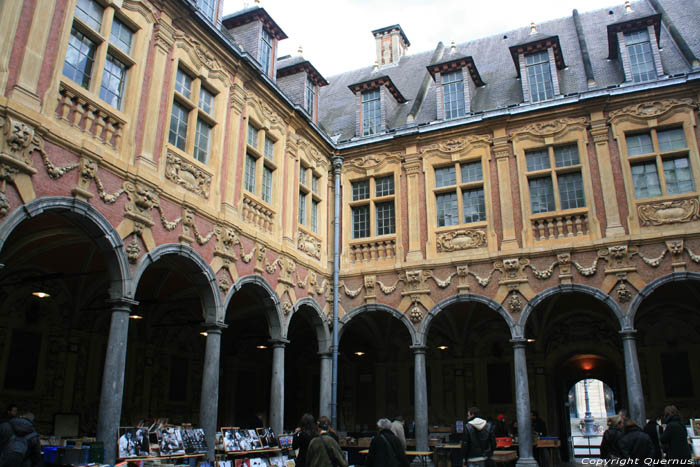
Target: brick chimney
x,y
391,44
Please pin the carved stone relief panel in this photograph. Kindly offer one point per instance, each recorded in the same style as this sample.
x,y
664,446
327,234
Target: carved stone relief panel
x,y
187,175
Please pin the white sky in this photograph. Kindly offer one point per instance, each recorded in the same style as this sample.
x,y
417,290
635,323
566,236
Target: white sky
x,y
336,34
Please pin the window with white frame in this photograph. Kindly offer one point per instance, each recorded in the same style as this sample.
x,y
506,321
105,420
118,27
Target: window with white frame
x,y
373,207
259,162
371,112
641,59
100,35
453,94
309,197
554,179
459,188
191,118
659,163
539,76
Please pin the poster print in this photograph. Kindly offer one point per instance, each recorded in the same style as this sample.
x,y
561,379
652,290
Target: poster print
x,y
193,440
231,441
267,437
133,442
170,441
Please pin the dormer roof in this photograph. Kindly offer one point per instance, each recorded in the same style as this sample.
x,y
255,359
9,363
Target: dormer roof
x,y
379,81
298,64
249,15
634,22
538,43
456,62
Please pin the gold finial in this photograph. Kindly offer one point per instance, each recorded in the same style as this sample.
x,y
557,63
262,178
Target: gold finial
x,y
533,28
628,7
257,2
376,66
453,47
300,50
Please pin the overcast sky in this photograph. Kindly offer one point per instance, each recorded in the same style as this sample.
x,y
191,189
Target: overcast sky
x,y
336,34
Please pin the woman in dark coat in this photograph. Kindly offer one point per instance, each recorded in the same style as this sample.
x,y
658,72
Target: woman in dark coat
x,y
675,436
635,444
305,432
386,450
609,448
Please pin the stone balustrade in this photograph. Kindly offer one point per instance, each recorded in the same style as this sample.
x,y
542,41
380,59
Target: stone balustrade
x,y
372,250
560,226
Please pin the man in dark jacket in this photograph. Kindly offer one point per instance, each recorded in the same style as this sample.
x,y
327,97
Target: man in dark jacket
x,y
675,436
635,444
478,440
386,450
652,429
19,427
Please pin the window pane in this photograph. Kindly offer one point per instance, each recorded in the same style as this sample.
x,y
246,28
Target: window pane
x,y
453,94
385,186
113,82
371,112
265,51
302,174
639,144
646,180
206,100
360,190
201,142
539,76
385,218
360,221
302,208
90,12
269,150
670,140
249,177
566,155
183,84
314,216
310,100
252,136
121,36
447,209
679,178
537,160
267,185
314,183
445,176
178,126
641,61
541,195
472,172
207,7
571,191
80,56
474,206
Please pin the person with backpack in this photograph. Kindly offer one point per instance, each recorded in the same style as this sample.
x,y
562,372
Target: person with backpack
x,y
478,441
385,450
19,443
324,450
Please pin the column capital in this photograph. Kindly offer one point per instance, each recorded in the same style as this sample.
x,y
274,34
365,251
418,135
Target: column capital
x,y
419,349
337,164
628,334
214,328
122,304
279,342
518,342
325,355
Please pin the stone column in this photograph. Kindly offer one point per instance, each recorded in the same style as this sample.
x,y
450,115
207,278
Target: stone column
x,y
522,404
324,404
421,398
635,395
277,385
110,410
209,399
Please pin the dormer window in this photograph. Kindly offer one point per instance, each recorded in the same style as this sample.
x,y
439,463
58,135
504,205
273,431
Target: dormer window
x,y
453,88
208,7
641,59
310,98
635,42
371,112
265,51
453,94
300,81
539,76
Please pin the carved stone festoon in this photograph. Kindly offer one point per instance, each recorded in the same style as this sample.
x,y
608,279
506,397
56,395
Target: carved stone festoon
x,y
309,245
188,175
669,212
462,239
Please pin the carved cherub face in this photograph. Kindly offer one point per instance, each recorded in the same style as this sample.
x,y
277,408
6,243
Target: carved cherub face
x,y
413,276
511,264
20,136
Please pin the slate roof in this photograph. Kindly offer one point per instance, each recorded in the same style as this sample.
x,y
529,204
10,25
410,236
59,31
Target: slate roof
x,y
494,63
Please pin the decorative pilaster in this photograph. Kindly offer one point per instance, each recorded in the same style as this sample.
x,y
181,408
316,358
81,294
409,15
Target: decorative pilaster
x,y
599,131
502,152
421,398
277,385
635,394
414,168
113,378
522,404
209,401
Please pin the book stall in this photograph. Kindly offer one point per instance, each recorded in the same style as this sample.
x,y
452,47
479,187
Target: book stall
x,y
259,447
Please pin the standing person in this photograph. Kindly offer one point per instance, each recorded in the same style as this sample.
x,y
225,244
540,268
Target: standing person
x,y
501,428
478,441
538,424
15,454
609,447
651,429
675,436
11,412
385,450
324,450
305,432
397,429
324,424
634,443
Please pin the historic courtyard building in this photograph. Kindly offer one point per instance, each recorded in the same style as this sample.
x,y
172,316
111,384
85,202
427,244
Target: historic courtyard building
x,y
515,213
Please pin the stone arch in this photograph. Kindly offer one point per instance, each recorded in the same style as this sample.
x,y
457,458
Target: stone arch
x,y
651,287
274,315
566,289
323,334
203,275
464,298
89,220
383,308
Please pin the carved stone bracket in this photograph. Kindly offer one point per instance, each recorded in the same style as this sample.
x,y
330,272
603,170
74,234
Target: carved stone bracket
x,y
18,143
287,268
463,278
462,239
227,238
309,244
414,281
513,270
619,258
669,212
187,174
370,285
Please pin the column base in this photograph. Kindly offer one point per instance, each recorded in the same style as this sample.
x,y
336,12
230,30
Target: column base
x,y
526,461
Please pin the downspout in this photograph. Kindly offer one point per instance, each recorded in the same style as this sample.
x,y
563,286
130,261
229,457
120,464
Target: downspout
x,y
337,166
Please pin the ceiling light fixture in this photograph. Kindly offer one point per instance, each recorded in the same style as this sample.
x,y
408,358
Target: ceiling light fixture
x,y
359,354
531,340
203,333
41,294
442,347
261,347
135,316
